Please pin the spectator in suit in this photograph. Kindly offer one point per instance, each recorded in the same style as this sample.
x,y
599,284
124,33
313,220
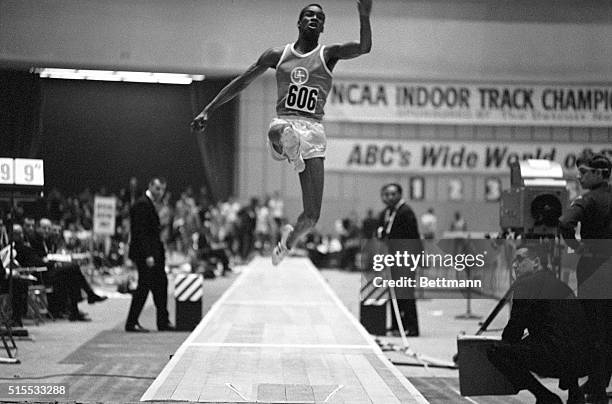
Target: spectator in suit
x,y
147,252
66,278
398,226
18,285
558,344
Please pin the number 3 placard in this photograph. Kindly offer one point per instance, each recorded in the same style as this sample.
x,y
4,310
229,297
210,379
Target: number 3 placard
x,y
22,172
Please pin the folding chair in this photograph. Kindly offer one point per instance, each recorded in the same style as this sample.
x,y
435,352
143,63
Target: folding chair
x,y
6,332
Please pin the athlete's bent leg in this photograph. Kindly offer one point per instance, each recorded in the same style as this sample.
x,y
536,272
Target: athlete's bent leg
x,y
311,180
285,144
274,134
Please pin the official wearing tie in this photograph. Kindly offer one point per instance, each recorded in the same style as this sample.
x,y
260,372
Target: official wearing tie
x,y
399,227
147,252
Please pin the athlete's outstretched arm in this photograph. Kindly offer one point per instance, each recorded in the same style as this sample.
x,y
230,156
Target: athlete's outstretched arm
x,y
353,49
267,60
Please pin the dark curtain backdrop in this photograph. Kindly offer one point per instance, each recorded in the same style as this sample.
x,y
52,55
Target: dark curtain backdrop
x,y
218,143
20,123
102,133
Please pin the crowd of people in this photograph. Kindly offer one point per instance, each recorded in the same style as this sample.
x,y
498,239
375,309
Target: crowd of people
x,y
37,255
211,237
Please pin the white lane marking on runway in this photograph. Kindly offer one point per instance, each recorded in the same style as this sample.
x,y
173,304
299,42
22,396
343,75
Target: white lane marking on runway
x,y
419,398
235,390
467,398
258,345
159,381
275,303
330,395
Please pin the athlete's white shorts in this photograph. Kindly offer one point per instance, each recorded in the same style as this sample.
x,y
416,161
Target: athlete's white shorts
x,y
310,132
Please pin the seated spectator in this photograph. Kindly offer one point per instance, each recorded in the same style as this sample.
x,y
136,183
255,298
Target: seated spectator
x,y
558,344
66,279
17,286
209,248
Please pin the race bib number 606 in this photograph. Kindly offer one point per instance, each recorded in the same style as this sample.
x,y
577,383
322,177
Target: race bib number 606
x,y
302,98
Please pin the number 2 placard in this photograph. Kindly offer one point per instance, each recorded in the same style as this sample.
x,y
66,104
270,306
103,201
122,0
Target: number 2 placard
x,y
29,172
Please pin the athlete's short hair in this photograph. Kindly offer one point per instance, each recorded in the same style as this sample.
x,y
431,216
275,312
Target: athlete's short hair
x,y
302,11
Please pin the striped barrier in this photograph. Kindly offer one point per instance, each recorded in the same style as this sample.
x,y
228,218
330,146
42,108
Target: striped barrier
x,y
188,287
188,292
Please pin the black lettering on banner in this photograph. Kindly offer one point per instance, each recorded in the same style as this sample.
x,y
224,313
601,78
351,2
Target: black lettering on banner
x,y
358,94
352,100
355,156
404,156
495,156
431,156
436,96
472,160
386,155
371,155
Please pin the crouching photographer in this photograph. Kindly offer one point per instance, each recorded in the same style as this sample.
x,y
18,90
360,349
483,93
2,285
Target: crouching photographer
x,y
558,344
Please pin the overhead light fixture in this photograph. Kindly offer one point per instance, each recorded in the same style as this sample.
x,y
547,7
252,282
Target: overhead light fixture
x,y
110,75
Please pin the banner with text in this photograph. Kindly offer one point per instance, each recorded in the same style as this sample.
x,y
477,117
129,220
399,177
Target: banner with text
x,y
470,103
413,156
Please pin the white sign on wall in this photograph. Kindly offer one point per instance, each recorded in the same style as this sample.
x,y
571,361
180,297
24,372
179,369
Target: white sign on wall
x,y
104,215
470,103
413,156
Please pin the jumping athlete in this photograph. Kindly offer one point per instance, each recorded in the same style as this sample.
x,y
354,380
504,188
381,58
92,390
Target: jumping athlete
x,y
304,78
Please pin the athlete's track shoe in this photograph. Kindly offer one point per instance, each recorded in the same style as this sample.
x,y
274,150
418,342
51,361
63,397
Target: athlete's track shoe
x,y
281,250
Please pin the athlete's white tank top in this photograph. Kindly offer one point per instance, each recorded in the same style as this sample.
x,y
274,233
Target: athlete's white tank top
x,y
303,83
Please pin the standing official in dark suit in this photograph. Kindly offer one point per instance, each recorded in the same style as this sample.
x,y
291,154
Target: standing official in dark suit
x,y
147,252
398,226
